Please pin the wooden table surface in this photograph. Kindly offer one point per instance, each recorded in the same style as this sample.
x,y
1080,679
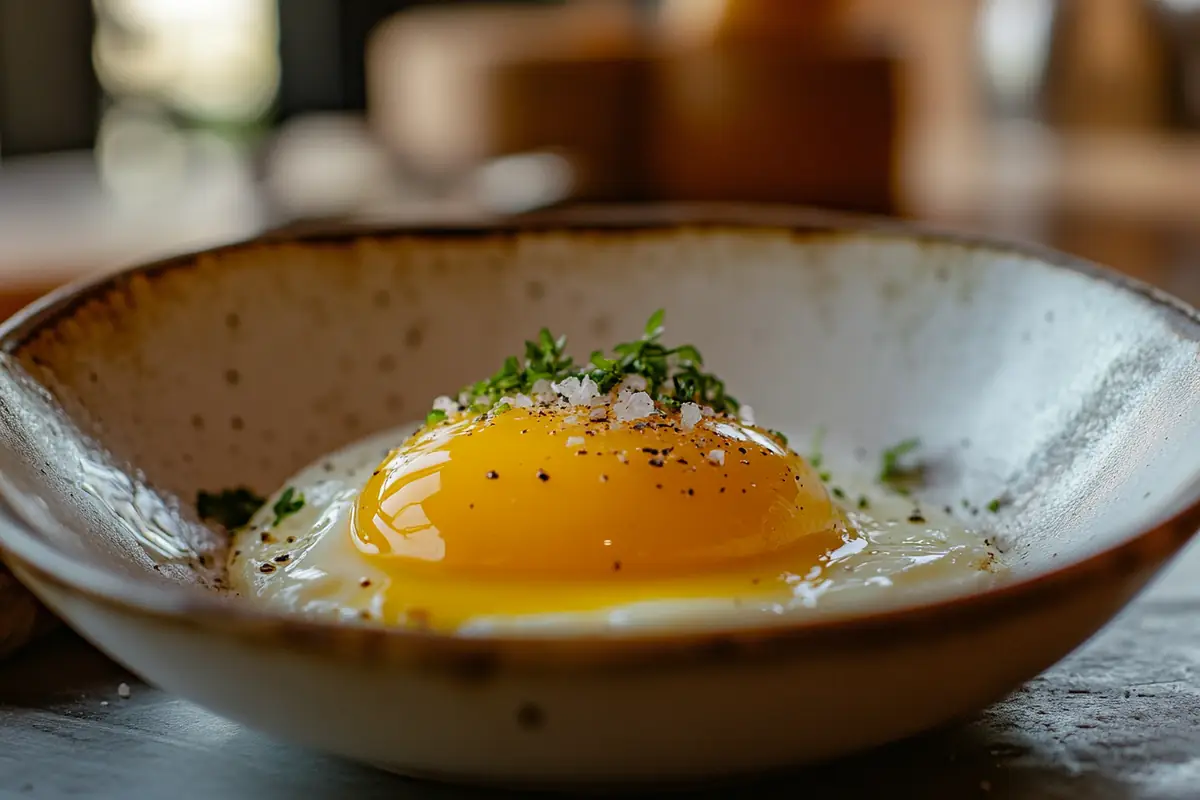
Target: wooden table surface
x,y
1117,720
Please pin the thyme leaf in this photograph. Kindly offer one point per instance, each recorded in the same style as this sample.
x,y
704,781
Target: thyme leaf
x,y
897,474
288,503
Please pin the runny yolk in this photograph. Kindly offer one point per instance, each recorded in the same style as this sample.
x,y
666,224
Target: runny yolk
x,y
550,495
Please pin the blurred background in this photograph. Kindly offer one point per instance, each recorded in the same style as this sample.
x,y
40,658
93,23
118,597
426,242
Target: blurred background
x,y
135,128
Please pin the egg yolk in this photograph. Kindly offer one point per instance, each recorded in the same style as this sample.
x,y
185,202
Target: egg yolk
x,y
608,513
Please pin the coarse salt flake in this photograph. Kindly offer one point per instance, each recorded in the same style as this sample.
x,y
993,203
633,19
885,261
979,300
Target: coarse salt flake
x,y
522,401
717,457
634,406
575,441
123,691
634,383
567,386
746,414
598,413
447,404
689,415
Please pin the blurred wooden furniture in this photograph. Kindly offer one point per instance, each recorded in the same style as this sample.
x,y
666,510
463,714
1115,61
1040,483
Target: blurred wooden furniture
x,y
775,102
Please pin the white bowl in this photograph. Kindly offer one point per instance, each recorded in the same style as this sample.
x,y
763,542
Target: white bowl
x,y
1072,391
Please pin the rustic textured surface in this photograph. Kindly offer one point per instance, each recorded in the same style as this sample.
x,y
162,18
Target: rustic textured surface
x,y
1118,720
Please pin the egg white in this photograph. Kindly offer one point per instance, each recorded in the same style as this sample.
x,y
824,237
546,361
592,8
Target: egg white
x,y
306,564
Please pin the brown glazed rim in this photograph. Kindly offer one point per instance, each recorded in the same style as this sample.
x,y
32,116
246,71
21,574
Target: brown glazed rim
x,y
1127,564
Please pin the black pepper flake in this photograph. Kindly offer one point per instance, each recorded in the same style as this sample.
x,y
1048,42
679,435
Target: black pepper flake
x,y
492,475
691,492
525,431
743,491
744,461
948,509
666,451
616,566
651,450
742,450
266,538
291,540
682,461
364,582
471,506
589,432
916,516
581,452
542,476
604,479
722,490
266,569
658,486
656,462
282,558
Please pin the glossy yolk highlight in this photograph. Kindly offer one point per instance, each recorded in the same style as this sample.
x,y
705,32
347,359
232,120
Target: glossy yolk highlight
x,y
541,511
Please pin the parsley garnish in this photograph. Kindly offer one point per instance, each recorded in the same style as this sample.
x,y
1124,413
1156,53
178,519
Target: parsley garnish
x,y
435,416
673,375
288,503
997,503
895,474
779,437
231,508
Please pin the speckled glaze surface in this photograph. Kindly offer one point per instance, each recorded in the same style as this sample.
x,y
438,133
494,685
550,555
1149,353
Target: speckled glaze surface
x,y
1028,375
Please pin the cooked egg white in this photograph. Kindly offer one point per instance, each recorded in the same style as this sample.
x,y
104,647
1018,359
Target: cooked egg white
x,y
553,520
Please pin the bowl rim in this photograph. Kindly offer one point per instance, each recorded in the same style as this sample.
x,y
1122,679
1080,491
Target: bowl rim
x,y
1141,549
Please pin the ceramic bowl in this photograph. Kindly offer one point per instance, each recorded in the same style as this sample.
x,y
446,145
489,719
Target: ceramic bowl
x,y
1070,391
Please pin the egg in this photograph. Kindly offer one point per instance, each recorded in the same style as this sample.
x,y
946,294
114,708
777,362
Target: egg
x,y
560,519
629,494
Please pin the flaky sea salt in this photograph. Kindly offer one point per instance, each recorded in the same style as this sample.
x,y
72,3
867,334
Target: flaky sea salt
x,y
633,383
123,691
575,441
632,406
567,386
746,414
577,392
446,404
689,415
717,457
599,413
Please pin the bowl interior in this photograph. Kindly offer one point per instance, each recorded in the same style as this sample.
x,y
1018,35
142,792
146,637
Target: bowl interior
x,y
1064,392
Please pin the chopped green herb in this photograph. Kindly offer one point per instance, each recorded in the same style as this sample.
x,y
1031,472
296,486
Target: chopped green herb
x,y
995,505
839,493
779,437
288,503
231,508
500,409
825,476
863,503
894,473
435,416
673,376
